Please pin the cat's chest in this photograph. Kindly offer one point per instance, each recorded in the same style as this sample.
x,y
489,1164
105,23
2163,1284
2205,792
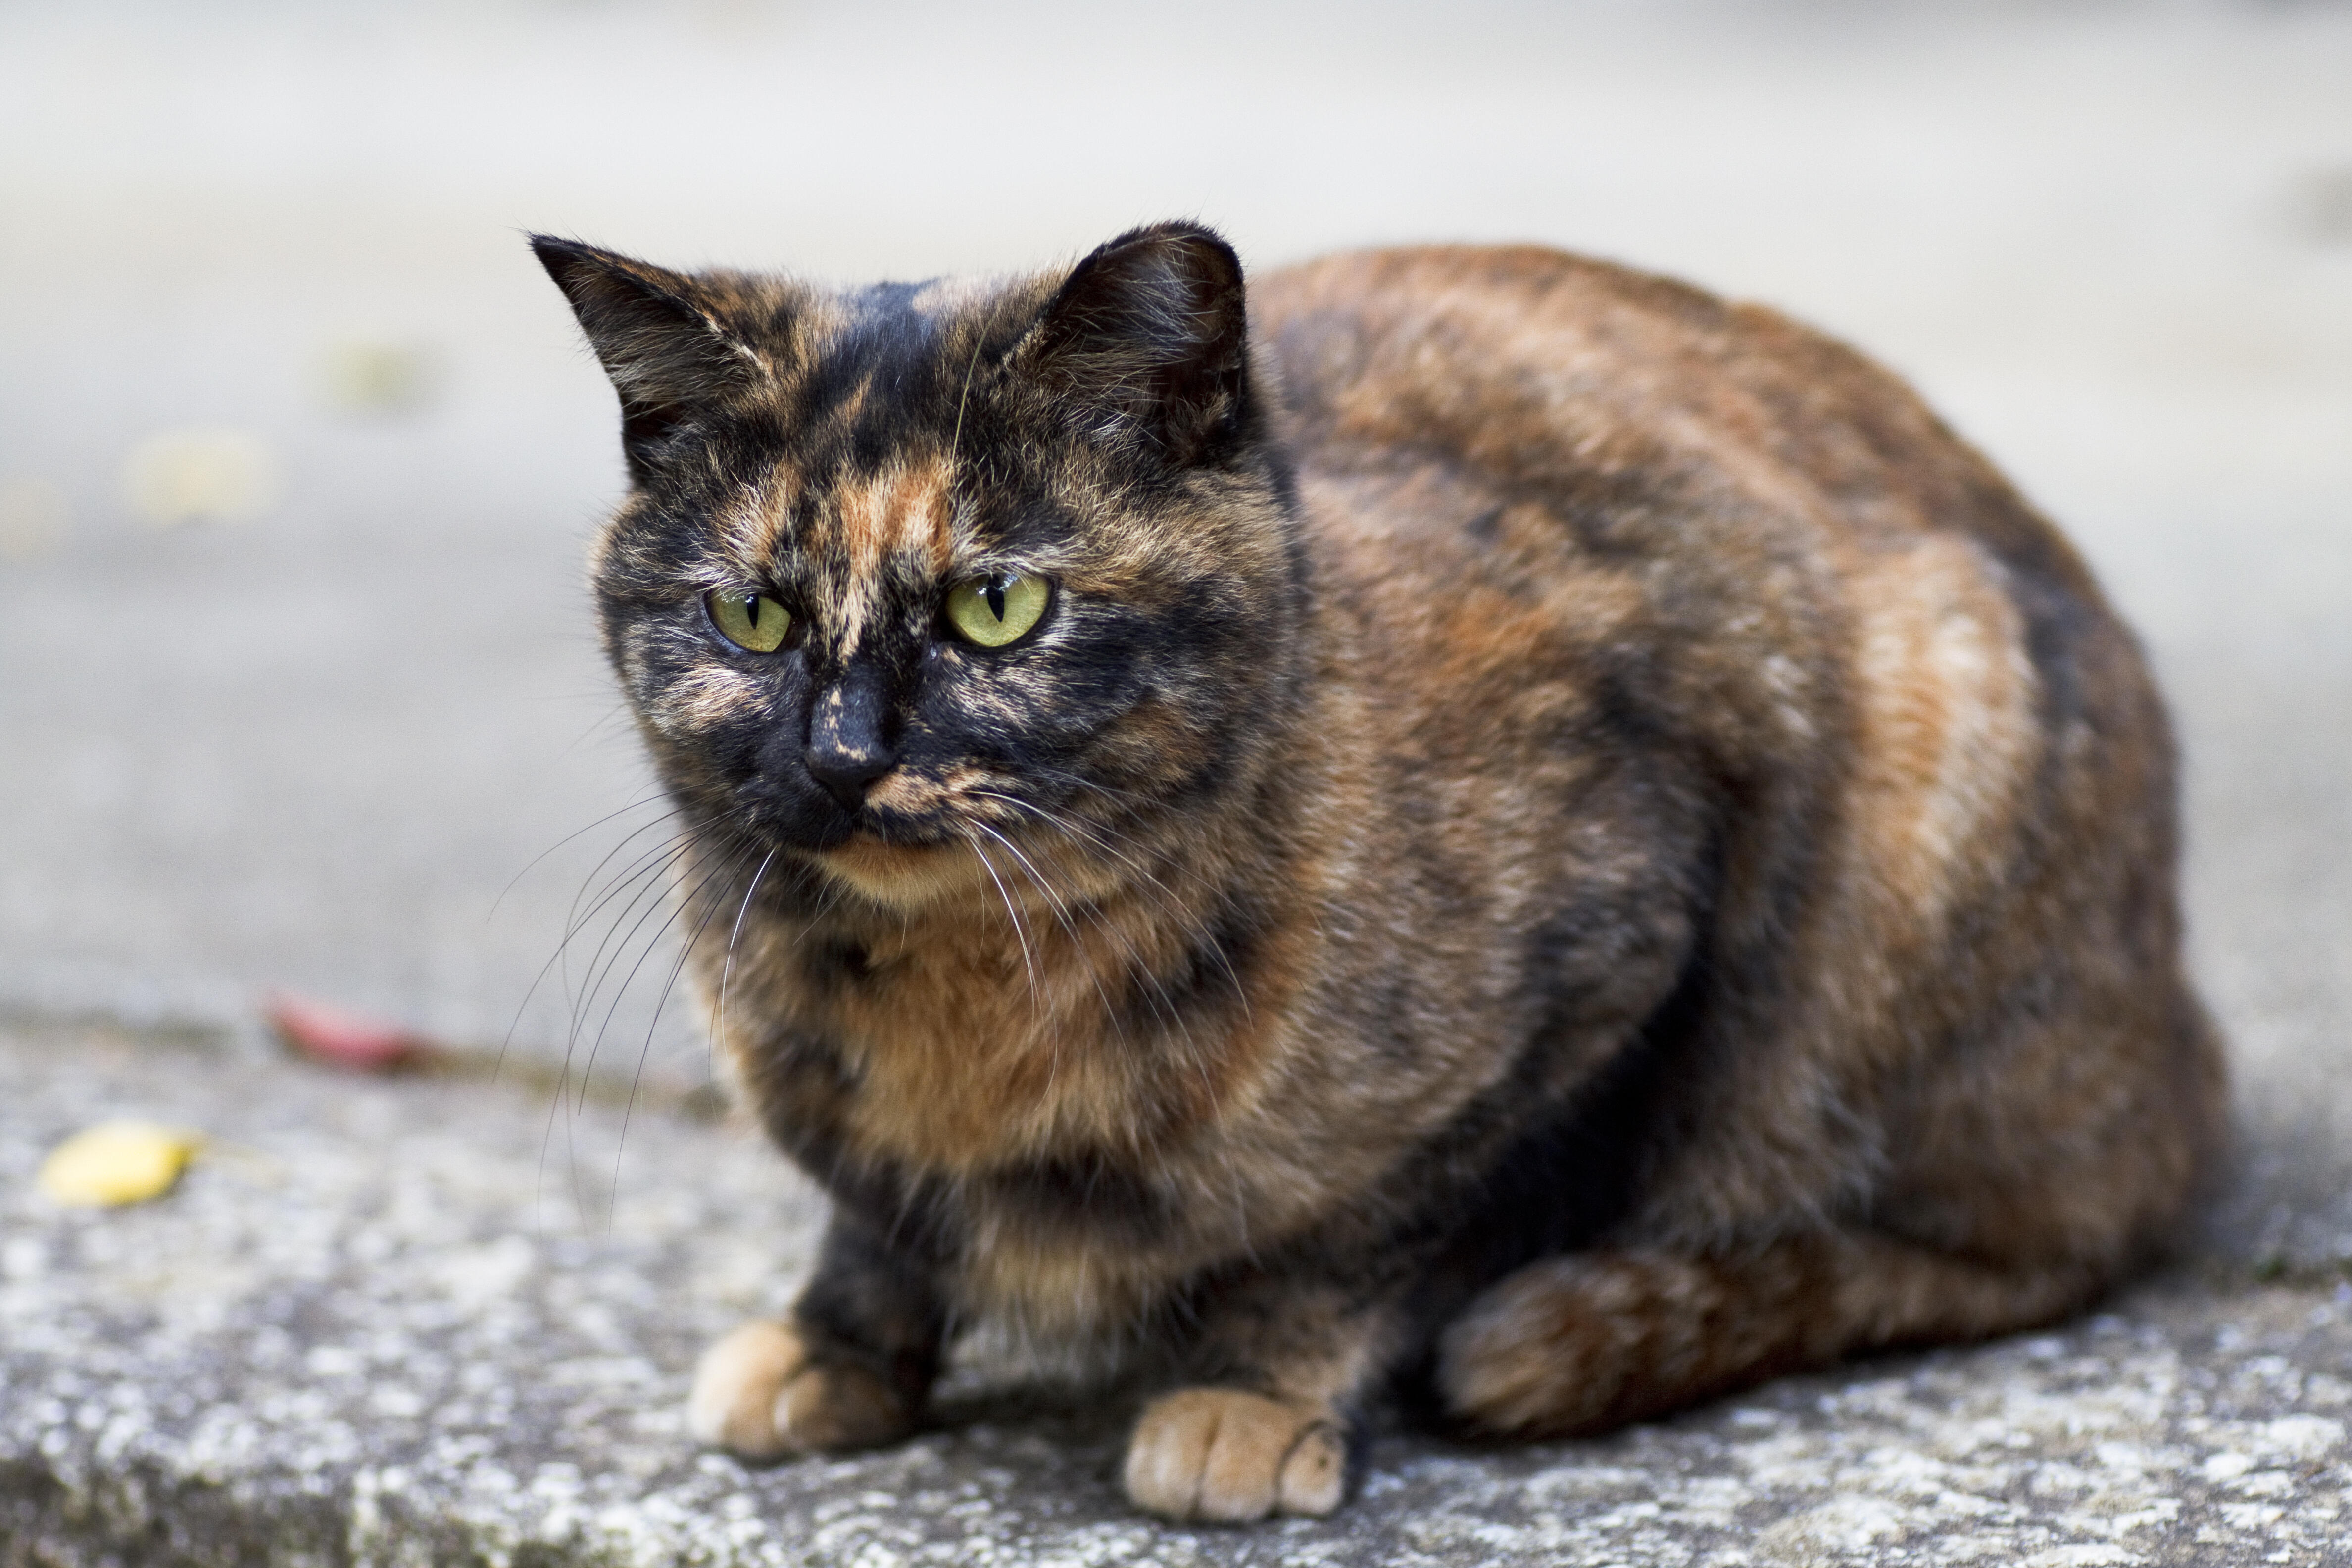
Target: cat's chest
x,y
957,1055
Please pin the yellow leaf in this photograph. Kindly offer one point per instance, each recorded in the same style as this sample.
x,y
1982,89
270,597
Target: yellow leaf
x,y
116,1162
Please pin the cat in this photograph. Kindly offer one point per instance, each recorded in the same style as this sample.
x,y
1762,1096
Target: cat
x,y
1462,826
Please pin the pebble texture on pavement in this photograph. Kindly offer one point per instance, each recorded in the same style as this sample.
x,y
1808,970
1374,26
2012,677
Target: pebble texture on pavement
x,y
410,1320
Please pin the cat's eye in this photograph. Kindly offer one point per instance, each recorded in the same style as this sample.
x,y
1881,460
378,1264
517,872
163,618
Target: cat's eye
x,y
750,620
996,611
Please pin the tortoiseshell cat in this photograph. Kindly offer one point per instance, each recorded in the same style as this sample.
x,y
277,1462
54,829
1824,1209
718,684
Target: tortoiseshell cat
x,y
1486,826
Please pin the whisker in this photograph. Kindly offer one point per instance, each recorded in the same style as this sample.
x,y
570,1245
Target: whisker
x,y
1155,990
678,848
955,442
1062,914
617,710
727,968
563,948
704,854
575,919
519,876
1019,932
648,885
1078,943
1165,896
637,1080
707,869
1091,835
1138,967
1163,1003
685,836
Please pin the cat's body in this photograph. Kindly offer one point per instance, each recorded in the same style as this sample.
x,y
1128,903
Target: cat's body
x,y
1558,839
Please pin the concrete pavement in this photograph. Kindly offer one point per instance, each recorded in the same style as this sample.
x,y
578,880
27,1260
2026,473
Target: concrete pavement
x,y
399,1321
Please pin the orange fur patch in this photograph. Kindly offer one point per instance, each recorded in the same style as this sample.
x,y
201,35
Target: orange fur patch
x,y
1947,726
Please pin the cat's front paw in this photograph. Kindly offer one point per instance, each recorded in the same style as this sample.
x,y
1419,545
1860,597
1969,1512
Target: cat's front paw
x,y
759,1393
1224,1454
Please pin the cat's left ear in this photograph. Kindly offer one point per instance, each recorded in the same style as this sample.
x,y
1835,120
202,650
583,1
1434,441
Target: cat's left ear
x,y
667,350
1153,332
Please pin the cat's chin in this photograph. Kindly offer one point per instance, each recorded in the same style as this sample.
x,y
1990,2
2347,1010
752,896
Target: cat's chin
x,y
905,876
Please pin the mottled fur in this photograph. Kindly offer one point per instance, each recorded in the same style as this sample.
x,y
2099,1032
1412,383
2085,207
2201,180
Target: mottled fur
x,y
1563,844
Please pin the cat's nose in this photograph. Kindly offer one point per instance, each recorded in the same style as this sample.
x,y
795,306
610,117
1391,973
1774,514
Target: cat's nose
x,y
845,773
846,751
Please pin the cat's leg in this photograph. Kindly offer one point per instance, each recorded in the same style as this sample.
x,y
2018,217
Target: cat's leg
x,y
1269,1425
849,1369
1590,1341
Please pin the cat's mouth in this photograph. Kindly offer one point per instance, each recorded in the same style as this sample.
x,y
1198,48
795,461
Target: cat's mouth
x,y
904,874
914,842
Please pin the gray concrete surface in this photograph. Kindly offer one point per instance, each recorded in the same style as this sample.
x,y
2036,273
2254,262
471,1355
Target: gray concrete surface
x,y
317,743
387,1321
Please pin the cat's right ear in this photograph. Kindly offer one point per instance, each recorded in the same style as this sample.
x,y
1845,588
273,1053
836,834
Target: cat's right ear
x,y
657,337
1150,334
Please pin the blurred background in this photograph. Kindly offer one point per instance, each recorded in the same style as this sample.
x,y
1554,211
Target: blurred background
x,y
298,450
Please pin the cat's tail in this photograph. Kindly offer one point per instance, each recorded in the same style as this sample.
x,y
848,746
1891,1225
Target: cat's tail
x,y
1590,1341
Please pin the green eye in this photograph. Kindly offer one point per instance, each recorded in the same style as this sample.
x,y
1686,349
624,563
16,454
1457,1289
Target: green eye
x,y
995,611
750,620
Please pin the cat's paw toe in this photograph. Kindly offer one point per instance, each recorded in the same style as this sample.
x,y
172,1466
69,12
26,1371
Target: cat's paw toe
x,y
1223,1455
758,1393
1549,1351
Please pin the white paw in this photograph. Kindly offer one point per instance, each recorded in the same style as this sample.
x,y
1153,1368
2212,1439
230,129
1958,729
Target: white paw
x,y
1223,1455
756,1393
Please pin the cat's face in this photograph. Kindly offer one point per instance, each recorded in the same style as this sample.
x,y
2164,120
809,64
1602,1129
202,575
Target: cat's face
x,y
913,574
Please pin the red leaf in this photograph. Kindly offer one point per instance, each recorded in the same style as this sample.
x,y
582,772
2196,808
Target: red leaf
x,y
343,1039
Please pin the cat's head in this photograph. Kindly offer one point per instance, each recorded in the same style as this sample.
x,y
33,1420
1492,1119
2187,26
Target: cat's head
x,y
904,566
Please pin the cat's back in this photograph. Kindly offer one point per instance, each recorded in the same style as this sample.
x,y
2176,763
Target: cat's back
x,y
1529,478
1580,454
1532,371
1569,507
